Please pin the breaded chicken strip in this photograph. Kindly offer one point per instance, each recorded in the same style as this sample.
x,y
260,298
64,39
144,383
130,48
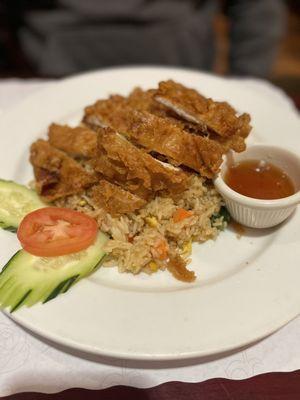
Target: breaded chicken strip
x,y
139,100
56,174
79,142
145,101
159,135
113,199
136,171
218,117
100,113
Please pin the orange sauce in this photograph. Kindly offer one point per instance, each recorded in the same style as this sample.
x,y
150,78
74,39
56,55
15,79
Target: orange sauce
x,y
238,228
259,179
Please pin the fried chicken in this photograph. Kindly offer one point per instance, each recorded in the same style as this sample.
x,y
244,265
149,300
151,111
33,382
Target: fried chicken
x,y
77,142
235,142
57,175
145,101
218,117
99,114
113,199
136,171
159,135
177,266
138,99
142,100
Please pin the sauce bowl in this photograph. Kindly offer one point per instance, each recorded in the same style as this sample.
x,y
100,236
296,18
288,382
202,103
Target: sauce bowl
x,y
257,213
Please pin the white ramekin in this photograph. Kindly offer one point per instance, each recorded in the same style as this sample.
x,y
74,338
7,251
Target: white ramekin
x,y
257,213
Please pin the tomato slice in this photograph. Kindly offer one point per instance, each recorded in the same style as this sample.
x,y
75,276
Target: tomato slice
x,y
54,231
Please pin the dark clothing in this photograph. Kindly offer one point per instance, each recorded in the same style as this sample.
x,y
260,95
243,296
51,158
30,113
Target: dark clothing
x,y
89,34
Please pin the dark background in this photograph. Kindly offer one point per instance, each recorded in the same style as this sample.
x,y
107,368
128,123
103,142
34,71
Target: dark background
x,y
286,69
13,62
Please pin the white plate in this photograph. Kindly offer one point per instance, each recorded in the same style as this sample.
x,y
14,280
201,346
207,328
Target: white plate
x,y
246,288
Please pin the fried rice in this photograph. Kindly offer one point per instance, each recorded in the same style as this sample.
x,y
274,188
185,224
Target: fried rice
x,y
143,241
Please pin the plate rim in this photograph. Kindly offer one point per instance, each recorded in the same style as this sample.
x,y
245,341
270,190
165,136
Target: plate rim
x,y
146,356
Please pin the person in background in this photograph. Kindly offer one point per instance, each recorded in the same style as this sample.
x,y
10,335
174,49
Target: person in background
x,y
78,35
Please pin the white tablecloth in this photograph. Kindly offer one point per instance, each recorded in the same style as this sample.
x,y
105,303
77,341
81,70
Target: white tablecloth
x,y
30,364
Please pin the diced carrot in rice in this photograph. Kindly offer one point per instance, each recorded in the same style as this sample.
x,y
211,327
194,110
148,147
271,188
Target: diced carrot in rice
x,y
180,214
161,250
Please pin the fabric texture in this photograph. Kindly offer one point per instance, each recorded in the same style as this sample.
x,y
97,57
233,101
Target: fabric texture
x,y
84,35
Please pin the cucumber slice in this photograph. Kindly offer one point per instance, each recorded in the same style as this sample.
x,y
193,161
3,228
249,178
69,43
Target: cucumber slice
x,y
15,202
27,279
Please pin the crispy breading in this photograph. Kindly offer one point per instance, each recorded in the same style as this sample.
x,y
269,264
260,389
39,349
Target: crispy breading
x,y
57,175
157,134
113,199
79,142
177,266
104,108
235,142
218,117
141,100
160,135
144,101
135,170
138,99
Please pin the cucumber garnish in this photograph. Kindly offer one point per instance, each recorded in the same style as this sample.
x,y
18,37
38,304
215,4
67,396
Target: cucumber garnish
x,y
15,202
26,279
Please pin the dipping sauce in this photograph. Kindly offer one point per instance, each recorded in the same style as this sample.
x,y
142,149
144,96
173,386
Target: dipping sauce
x,y
259,179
